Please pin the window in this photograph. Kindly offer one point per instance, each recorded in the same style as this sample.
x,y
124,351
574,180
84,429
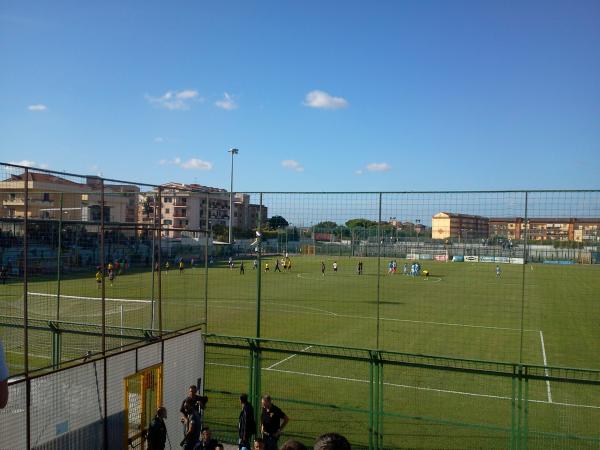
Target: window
x,y
167,222
167,210
46,197
167,200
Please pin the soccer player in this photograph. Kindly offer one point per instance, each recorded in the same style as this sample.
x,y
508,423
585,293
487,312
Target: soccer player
x,y
322,268
167,265
426,274
498,271
266,267
180,266
111,276
360,267
255,264
335,266
405,270
277,269
242,268
390,267
99,279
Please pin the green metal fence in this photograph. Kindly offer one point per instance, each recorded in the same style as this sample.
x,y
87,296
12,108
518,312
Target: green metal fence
x,y
385,400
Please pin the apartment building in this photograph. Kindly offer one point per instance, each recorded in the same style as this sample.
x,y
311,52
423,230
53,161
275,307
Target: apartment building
x,y
447,225
546,228
184,207
49,193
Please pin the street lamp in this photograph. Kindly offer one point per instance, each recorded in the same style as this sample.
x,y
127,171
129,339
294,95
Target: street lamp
x,y
233,151
417,229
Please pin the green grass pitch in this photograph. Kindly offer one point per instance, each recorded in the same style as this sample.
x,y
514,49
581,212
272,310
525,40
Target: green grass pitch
x,y
463,310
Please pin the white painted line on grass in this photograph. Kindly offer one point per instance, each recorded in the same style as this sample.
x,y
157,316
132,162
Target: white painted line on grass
x,y
546,367
323,312
406,386
286,359
76,297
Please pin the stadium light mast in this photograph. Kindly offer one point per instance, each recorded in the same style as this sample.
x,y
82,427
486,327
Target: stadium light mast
x,y
233,151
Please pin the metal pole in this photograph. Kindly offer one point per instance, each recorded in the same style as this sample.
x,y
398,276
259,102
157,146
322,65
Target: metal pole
x,y
233,151
206,262
104,359
121,313
25,303
258,272
523,276
153,262
58,264
378,267
160,324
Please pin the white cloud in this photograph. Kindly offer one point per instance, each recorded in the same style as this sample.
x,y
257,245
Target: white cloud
x,y
227,103
29,163
195,163
378,167
37,107
323,100
159,139
358,172
192,163
292,165
175,100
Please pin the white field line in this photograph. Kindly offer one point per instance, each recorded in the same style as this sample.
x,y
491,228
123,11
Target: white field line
x,y
76,297
323,312
546,367
286,359
20,353
406,386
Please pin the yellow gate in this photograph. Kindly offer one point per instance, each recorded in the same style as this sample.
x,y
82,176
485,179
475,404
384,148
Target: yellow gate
x,y
143,396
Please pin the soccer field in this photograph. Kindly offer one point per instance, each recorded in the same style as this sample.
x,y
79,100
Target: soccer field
x,y
534,314
462,310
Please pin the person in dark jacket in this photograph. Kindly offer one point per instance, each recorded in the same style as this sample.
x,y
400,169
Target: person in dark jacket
x,y
157,431
246,424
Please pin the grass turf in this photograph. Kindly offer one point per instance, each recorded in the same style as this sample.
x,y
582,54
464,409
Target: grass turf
x,y
463,310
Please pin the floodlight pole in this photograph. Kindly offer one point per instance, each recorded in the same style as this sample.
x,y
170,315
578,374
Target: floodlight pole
x,y
233,151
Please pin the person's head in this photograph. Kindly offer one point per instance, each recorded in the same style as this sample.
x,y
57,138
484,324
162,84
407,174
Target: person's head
x,y
192,390
293,445
244,399
259,444
266,401
331,441
206,434
162,412
219,447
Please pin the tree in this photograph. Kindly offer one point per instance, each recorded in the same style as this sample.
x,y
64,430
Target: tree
x,y
326,225
276,222
361,223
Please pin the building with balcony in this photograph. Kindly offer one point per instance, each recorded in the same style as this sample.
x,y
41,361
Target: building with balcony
x,y
546,228
184,208
49,193
447,225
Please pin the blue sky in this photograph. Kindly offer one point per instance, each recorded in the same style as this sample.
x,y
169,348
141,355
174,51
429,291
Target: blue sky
x,y
318,96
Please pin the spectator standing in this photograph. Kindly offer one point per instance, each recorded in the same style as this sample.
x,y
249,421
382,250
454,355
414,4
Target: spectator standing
x,y
192,430
157,431
273,421
246,424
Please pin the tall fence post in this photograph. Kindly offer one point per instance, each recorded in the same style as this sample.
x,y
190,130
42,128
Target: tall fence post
x,y
207,226
378,268
104,359
258,272
159,280
25,304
